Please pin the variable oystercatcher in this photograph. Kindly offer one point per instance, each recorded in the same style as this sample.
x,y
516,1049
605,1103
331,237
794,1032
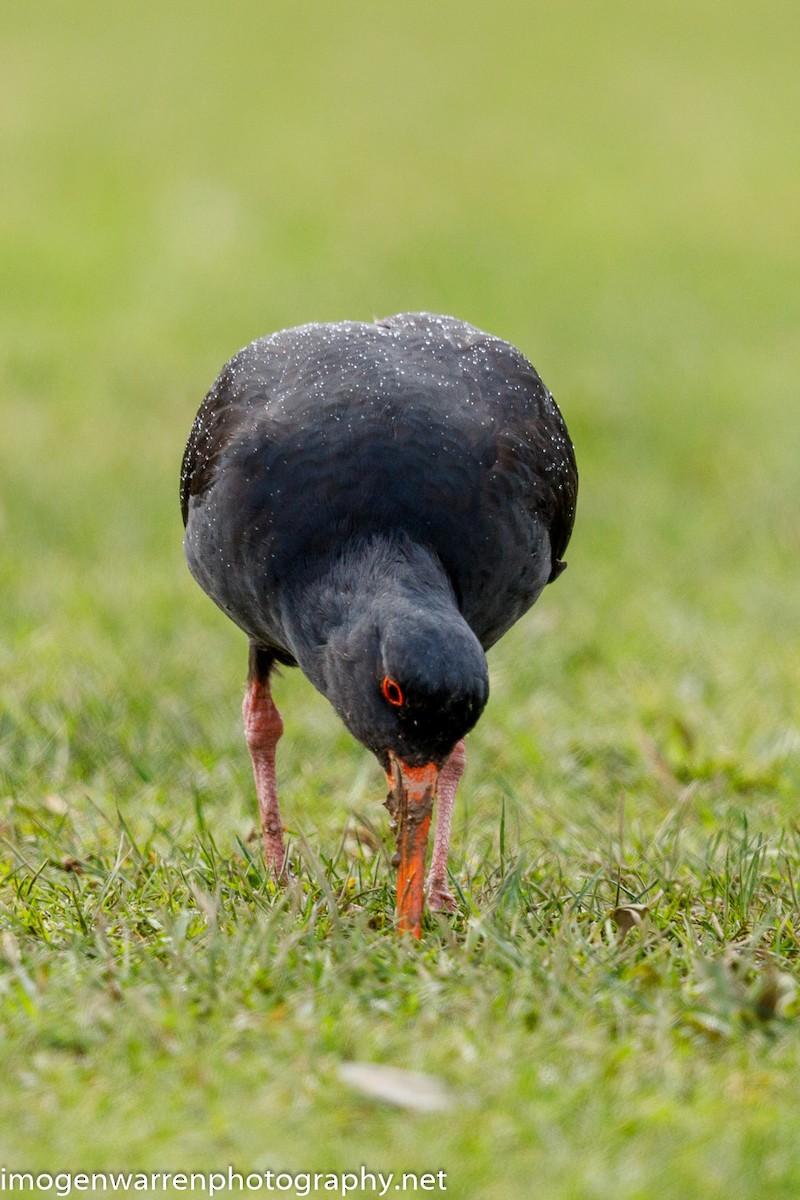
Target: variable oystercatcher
x,y
377,504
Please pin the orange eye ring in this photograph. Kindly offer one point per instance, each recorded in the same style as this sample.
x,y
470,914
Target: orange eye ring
x,y
392,691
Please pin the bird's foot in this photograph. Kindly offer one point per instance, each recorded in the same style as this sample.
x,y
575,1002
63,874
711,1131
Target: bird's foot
x,y
440,898
282,876
279,868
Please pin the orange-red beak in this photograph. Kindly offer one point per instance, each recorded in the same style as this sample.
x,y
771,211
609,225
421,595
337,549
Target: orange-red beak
x,y
410,803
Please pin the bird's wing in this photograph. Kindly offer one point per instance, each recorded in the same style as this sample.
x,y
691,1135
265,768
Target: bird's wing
x,y
532,464
243,389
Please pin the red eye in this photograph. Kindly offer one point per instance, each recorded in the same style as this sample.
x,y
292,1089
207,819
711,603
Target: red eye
x,y
392,692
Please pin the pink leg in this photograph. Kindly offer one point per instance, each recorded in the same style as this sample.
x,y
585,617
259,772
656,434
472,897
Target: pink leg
x,y
262,728
439,894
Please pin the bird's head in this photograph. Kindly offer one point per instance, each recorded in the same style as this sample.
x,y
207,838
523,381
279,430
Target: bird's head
x,y
377,630
408,685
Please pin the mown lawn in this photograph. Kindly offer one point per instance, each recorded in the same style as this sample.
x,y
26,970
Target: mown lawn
x,y
614,1010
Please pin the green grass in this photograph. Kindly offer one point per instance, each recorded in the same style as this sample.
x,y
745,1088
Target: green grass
x,y
613,188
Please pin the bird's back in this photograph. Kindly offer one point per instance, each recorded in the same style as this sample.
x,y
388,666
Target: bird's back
x,y
416,427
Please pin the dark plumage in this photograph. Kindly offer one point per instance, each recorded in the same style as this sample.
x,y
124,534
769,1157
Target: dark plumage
x,y
378,504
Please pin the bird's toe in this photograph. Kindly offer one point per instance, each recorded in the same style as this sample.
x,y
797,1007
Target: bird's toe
x,y
440,898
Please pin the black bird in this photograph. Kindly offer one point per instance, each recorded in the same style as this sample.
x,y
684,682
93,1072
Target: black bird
x,y
377,504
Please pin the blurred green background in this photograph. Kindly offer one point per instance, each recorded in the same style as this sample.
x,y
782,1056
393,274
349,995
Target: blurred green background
x,y
614,188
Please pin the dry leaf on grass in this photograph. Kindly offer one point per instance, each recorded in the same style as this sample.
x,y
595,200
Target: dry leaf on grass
x,y
405,1089
630,916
